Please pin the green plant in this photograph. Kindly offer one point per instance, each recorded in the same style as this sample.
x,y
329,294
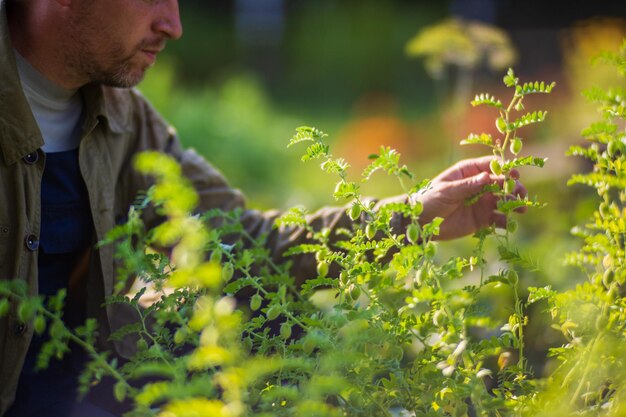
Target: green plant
x,y
591,374
400,331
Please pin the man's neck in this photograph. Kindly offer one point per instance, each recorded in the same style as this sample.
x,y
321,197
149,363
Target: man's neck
x,y
58,111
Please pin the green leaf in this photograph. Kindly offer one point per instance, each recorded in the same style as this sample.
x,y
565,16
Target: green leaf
x,y
127,329
530,118
336,166
311,284
537,294
152,368
4,307
489,188
26,310
119,391
482,139
306,133
486,99
586,152
599,130
509,79
316,151
534,87
513,256
303,248
346,190
293,217
387,160
511,205
525,161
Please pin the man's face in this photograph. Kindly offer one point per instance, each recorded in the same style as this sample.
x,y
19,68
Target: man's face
x,y
114,42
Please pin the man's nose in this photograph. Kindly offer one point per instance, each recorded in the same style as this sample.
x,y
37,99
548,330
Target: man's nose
x,y
168,20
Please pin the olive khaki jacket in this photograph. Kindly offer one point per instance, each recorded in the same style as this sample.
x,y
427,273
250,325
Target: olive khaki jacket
x,y
118,124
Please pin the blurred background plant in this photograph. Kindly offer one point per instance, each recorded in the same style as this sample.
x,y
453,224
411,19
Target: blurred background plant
x,y
453,51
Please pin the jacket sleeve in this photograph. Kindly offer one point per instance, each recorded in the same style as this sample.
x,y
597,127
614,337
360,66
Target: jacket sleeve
x,y
215,192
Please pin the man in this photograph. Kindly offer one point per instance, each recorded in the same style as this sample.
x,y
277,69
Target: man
x,y
69,128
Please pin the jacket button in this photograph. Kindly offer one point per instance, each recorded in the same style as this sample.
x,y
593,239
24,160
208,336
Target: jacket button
x,y
31,158
19,328
31,242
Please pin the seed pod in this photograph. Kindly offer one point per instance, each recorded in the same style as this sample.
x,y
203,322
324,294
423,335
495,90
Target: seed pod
x,y
509,186
601,322
412,233
421,276
501,125
119,391
370,231
418,208
511,226
308,344
216,256
439,318
285,330
179,336
355,292
516,146
26,311
227,272
273,312
430,250
142,345
613,148
322,269
355,211
155,350
605,210
495,167
608,277
255,302
57,329
40,324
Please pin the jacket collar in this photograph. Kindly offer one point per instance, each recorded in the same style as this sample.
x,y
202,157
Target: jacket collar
x,y
19,133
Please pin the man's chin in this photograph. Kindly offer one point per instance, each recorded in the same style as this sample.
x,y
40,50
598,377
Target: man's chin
x,y
125,79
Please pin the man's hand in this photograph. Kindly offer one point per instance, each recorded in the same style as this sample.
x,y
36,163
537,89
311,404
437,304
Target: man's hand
x,y
449,190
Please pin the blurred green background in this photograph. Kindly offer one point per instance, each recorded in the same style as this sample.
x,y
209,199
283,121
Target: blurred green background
x,y
247,72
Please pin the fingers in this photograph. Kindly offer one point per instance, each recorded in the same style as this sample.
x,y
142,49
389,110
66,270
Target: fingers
x,y
471,167
467,187
465,168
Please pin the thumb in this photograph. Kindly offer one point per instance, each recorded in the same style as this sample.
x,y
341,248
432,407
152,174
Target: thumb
x,y
467,187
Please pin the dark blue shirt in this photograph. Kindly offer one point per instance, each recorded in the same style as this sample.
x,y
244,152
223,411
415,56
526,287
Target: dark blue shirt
x,y
66,234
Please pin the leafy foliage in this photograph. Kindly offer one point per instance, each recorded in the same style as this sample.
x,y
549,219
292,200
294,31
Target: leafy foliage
x,y
384,325
590,377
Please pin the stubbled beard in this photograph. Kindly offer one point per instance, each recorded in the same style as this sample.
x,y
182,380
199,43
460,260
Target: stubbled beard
x,y
101,60
110,70
121,75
